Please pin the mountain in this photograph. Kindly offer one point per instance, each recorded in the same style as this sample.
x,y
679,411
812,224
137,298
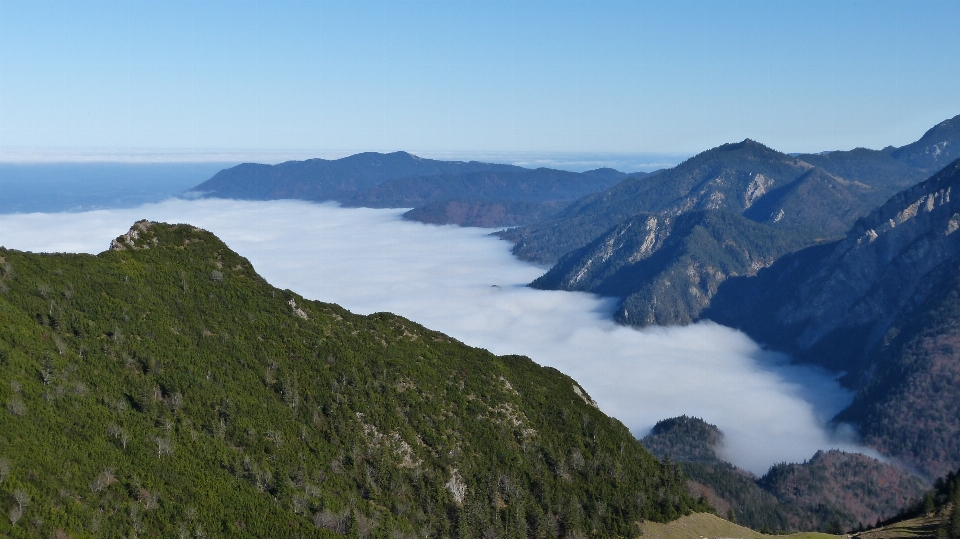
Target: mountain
x,y
666,268
881,305
937,514
891,167
163,388
789,194
937,147
523,185
833,491
488,198
487,214
442,192
322,179
877,168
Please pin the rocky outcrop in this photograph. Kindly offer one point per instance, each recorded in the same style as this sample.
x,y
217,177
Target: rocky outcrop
x,y
135,238
667,268
834,303
882,305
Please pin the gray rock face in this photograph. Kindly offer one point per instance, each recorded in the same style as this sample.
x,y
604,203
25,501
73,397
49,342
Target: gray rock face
x,y
833,303
667,268
877,270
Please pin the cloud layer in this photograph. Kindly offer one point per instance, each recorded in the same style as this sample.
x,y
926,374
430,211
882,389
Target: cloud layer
x,y
465,283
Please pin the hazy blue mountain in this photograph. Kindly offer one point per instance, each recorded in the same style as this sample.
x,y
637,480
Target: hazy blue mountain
x,y
523,185
895,168
881,305
445,192
833,491
877,168
489,214
322,179
819,195
935,149
789,194
666,268
488,198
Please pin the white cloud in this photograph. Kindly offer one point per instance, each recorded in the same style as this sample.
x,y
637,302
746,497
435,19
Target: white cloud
x,y
465,283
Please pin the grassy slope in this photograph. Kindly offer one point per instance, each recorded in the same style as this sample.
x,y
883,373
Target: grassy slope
x,y
705,525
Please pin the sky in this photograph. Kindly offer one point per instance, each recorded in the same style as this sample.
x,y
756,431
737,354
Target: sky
x,y
217,80
465,283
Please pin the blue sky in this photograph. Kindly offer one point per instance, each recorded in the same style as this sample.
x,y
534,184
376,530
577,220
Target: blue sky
x,y
448,77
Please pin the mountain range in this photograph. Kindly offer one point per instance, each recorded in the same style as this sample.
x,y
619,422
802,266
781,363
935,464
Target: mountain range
x,y
623,241
441,192
881,305
195,395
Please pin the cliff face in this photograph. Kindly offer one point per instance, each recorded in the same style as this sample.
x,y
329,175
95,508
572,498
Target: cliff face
x,y
746,178
667,268
882,305
828,302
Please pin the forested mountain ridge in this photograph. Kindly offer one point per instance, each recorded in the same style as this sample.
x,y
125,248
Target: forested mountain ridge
x,y
523,185
937,147
737,178
322,179
164,388
882,305
833,491
667,268
896,168
484,194
788,194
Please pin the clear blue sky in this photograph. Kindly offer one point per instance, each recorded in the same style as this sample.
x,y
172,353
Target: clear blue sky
x,y
458,76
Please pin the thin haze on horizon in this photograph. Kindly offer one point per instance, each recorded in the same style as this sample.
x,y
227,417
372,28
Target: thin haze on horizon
x,y
110,78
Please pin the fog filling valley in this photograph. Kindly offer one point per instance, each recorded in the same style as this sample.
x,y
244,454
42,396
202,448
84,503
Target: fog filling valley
x,y
463,282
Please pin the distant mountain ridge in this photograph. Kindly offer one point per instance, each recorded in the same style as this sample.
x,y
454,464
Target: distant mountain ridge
x,y
745,178
322,179
496,195
602,243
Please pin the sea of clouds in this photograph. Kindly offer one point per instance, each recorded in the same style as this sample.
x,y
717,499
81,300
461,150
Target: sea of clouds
x,y
465,283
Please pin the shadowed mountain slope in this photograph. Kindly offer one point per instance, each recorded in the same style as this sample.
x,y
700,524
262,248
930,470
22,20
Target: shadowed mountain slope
x,y
522,185
322,179
881,305
666,269
732,178
935,149
444,192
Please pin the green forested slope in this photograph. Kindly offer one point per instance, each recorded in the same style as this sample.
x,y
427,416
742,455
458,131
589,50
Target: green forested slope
x,y
164,389
833,491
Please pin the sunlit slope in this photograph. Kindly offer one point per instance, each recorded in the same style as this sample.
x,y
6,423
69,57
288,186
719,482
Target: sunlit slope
x,y
709,526
164,387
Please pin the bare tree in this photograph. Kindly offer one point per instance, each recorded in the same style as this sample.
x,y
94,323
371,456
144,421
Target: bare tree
x,y
164,446
22,498
456,486
16,407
